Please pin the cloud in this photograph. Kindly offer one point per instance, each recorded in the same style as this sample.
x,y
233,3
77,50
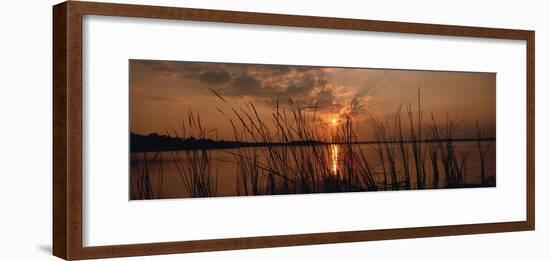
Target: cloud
x,y
326,100
215,77
245,85
173,69
306,86
301,85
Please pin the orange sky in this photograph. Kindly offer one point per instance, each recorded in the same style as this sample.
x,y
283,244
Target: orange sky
x,y
162,92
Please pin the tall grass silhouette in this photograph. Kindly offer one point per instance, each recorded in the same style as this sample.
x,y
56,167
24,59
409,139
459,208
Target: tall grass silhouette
x,y
303,153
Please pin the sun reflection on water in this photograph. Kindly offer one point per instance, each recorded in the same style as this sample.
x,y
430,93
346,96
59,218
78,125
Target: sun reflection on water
x,y
334,153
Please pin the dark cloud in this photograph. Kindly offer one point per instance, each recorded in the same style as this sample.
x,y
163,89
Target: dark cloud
x,y
269,84
326,101
176,69
245,85
215,77
302,85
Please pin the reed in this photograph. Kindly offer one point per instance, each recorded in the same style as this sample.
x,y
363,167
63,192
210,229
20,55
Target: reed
x,y
482,149
303,153
434,149
386,151
143,184
198,177
417,144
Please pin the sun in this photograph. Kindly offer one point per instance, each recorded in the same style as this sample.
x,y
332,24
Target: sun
x,y
334,121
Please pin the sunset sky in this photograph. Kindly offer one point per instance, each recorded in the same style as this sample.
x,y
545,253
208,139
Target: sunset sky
x,y
162,92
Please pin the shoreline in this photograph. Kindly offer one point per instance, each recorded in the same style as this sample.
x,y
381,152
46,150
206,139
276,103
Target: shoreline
x,y
217,145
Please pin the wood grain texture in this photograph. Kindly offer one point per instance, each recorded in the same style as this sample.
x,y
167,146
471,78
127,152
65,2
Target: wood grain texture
x,y
296,240
60,131
531,130
74,130
67,138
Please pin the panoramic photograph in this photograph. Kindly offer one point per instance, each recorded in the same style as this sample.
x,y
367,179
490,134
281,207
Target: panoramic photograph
x,y
203,129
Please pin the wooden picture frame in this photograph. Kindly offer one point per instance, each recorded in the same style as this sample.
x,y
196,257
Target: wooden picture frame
x,y
68,145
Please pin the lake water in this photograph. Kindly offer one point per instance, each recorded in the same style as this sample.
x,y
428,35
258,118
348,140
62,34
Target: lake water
x,y
168,172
